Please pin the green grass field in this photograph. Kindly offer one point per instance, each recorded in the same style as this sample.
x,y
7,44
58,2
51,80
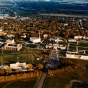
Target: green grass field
x,y
25,83
28,58
15,57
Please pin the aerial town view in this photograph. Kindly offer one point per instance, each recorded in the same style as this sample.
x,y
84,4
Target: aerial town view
x,y
43,44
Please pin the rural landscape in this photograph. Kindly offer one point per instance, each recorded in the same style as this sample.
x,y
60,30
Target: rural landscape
x,y
43,44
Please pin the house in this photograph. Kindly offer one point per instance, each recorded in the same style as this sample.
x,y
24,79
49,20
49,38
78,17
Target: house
x,y
23,35
45,36
10,35
72,40
12,47
2,33
1,29
10,41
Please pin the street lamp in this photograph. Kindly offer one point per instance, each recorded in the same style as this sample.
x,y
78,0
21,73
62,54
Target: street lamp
x,y
2,57
17,59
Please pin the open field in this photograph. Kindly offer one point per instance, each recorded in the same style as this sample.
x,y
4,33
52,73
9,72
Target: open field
x,y
62,79
26,83
12,58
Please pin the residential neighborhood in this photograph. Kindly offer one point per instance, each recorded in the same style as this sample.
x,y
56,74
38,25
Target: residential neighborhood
x,y
42,46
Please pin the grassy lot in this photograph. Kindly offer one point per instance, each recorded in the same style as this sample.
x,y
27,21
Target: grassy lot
x,y
15,57
26,83
29,58
62,80
81,46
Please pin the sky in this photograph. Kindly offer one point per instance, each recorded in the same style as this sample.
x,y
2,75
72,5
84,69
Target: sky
x,y
47,0
75,1
54,0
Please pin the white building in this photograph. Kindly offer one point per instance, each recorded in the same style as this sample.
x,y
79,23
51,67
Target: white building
x,y
2,16
77,56
23,36
10,35
78,37
1,29
10,41
72,40
56,46
58,40
35,39
17,65
45,36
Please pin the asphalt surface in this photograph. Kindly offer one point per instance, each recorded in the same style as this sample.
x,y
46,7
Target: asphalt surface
x,y
52,63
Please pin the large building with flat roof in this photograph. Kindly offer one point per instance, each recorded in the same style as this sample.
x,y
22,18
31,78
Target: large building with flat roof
x,y
13,47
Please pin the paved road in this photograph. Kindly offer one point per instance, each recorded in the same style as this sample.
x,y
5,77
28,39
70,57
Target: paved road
x,y
42,80
53,61
51,64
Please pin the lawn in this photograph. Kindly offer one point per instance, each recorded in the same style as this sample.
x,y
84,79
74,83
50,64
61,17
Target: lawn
x,y
12,58
17,57
27,83
81,46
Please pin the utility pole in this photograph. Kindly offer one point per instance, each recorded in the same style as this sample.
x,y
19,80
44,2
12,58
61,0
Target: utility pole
x,y
28,49
2,57
68,47
17,59
77,47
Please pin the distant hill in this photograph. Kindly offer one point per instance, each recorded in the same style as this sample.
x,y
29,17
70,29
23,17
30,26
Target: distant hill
x,y
38,6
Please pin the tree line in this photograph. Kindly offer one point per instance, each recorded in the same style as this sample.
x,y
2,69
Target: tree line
x,y
20,76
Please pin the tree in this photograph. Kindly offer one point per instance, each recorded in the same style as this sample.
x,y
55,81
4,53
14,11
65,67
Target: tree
x,y
40,66
2,71
8,70
29,66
